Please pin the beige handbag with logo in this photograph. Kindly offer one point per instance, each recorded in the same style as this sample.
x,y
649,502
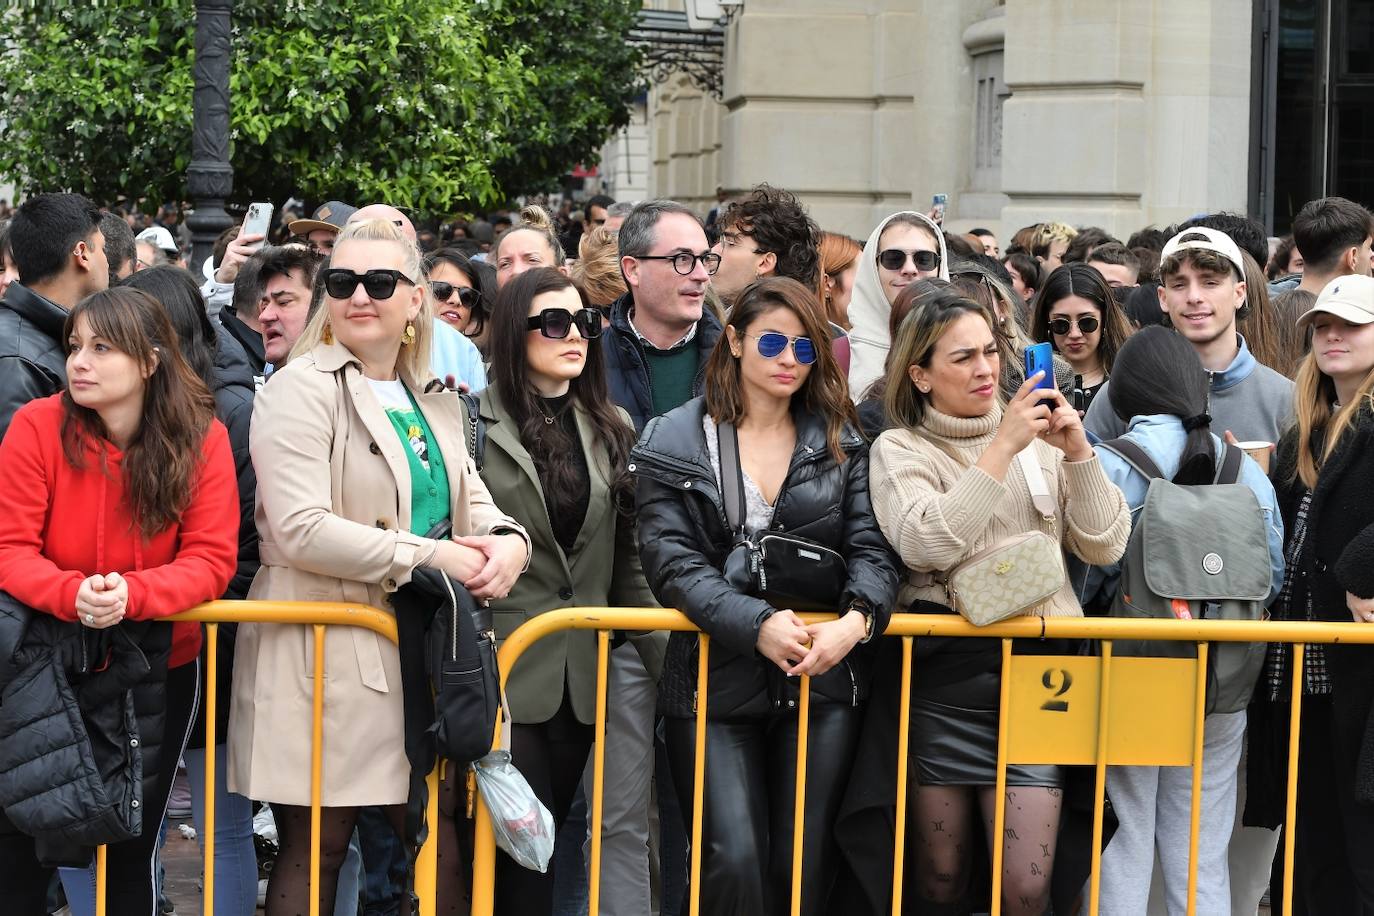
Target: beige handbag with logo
x,y
1016,574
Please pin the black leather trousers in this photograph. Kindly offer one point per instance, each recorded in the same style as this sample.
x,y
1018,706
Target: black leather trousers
x,y
746,862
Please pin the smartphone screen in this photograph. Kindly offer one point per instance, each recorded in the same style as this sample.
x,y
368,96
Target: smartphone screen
x,y
938,203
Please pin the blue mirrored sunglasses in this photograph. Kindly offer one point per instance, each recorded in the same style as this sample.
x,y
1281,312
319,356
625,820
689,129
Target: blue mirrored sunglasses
x,y
772,343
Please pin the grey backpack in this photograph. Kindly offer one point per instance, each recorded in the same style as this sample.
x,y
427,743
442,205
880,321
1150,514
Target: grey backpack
x,y
1197,552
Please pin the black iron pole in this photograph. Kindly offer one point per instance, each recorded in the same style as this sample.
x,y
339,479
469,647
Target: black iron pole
x,y
210,177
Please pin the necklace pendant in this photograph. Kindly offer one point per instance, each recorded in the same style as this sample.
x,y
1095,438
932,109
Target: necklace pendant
x,y
548,421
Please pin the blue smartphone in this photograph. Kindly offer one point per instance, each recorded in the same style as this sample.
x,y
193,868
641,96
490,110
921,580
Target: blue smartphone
x,y
1040,358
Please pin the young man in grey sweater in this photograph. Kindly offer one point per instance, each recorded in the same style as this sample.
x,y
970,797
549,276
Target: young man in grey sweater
x,y
1203,289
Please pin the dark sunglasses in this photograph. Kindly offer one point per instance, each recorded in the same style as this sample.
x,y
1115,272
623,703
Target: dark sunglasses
x,y
895,259
556,323
467,295
378,284
772,343
1086,324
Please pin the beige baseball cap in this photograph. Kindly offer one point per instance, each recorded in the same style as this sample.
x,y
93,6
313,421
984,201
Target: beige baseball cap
x,y
1350,299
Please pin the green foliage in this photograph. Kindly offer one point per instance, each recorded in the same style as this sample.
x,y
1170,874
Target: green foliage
x,y
434,104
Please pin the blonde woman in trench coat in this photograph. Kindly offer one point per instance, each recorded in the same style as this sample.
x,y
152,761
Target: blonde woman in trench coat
x,y
353,445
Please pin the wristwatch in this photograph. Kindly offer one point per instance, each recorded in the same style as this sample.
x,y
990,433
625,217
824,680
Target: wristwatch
x,y
870,619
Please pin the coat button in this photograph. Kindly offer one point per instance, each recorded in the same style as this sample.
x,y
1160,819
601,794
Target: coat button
x,y
791,703
630,468
389,585
687,485
374,448
133,742
433,491
134,803
565,593
381,523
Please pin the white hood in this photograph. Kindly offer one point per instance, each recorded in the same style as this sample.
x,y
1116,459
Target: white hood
x,y
869,309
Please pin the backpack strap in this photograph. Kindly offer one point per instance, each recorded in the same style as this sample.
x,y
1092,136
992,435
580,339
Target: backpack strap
x,y
475,429
1228,468
1133,455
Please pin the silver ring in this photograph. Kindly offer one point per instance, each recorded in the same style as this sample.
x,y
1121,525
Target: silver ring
x,y
90,618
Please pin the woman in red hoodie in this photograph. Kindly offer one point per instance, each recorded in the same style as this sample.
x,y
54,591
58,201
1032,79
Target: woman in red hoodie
x,y
119,503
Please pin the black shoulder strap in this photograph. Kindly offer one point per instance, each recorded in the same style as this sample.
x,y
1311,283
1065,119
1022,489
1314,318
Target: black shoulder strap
x,y
1228,468
731,475
476,430
1133,455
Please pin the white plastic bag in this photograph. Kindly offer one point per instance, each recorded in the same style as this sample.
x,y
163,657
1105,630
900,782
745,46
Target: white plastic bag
x,y
523,826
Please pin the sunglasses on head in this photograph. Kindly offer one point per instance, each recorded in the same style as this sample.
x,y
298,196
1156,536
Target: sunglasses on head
x,y
467,295
895,259
556,323
378,284
772,343
1087,324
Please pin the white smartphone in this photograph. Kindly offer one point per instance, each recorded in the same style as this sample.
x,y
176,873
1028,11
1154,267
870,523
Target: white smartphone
x,y
258,221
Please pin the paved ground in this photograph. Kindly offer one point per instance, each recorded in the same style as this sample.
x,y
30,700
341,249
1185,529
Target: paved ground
x,y
181,858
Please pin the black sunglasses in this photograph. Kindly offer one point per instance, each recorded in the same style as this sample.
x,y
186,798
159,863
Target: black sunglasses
x,y
378,284
556,323
467,295
1087,324
895,259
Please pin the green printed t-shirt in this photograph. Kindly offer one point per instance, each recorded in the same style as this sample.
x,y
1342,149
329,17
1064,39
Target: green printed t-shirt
x,y
429,494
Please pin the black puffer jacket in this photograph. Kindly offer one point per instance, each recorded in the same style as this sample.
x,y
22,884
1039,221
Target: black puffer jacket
x,y
33,358
684,538
81,725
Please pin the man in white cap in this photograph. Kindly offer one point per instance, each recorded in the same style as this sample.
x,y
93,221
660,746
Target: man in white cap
x,y
156,247
1202,291
323,226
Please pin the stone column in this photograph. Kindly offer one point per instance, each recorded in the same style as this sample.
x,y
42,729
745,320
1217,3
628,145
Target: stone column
x,y
210,178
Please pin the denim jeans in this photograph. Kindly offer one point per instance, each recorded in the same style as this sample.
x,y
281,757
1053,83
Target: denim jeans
x,y
384,864
236,865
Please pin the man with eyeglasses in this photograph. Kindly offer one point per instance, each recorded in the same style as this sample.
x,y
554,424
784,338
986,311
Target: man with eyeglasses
x,y
766,234
656,345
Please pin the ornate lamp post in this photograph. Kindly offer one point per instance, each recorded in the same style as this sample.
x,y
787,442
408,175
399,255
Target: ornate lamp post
x,y
210,177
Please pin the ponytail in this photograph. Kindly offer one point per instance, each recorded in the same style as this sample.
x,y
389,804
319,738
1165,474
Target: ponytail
x,y
1158,372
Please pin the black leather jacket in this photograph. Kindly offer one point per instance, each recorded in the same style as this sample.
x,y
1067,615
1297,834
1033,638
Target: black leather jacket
x,y
684,538
33,358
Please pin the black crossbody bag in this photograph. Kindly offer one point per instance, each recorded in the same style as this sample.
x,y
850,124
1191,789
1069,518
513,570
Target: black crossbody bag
x,y
785,570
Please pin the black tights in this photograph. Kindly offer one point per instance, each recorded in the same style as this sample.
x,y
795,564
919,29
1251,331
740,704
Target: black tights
x,y
288,890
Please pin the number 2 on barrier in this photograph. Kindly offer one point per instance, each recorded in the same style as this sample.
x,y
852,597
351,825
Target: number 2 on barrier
x,y
1065,682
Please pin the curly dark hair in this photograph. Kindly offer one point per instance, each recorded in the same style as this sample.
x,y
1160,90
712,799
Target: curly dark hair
x,y
776,221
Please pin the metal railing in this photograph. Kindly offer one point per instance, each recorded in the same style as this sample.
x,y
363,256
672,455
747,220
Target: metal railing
x,y
1053,710
317,615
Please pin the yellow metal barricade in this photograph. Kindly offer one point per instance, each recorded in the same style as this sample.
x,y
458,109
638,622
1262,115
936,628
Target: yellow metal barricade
x,y
1066,710
318,615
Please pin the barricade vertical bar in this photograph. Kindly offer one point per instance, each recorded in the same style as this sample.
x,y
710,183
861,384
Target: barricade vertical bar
x,y
999,803
903,743
799,805
100,880
1298,668
427,861
603,647
208,822
1195,818
316,768
1100,790
699,772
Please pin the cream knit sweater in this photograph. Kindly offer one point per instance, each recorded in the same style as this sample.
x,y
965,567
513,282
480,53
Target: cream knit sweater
x,y
937,509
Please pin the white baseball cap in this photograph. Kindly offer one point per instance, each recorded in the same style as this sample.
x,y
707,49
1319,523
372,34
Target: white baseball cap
x,y
1350,299
159,237
1213,240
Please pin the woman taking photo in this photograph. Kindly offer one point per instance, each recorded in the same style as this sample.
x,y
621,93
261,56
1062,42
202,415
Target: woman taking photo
x,y
359,453
802,469
1075,311
1323,472
947,484
555,459
120,508
1160,389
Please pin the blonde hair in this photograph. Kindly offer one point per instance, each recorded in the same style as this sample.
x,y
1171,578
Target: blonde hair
x,y
536,219
1314,394
598,266
412,360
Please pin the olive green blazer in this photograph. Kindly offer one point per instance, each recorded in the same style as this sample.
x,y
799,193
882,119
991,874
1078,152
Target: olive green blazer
x,y
601,570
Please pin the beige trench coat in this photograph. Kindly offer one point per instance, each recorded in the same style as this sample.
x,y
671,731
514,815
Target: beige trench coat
x,y
335,527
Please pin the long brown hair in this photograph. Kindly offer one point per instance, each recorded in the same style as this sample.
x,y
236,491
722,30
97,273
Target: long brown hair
x,y
825,392
163,460
1314,396
1270,342
915,344
549,445
1078,279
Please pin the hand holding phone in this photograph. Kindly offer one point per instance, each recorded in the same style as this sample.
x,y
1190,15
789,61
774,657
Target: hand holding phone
x,y
258,221
938,205
1040,358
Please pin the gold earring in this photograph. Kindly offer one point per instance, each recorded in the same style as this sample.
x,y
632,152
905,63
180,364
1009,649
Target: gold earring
x,y
327,334
408,337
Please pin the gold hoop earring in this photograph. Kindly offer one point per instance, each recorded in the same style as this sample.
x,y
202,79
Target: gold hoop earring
x,y
408,337
327,333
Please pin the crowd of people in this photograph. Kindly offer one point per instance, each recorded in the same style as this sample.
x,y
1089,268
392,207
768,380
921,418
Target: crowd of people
x,y
665,406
